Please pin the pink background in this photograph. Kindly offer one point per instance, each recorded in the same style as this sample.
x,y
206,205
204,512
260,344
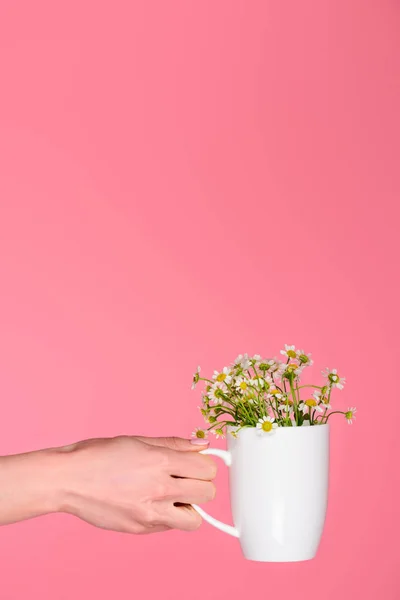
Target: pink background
x,y
180,182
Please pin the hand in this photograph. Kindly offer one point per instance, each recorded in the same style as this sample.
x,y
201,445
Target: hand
x,y
137,484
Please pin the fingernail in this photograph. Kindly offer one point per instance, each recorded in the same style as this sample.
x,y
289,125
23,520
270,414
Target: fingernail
x,y
199,442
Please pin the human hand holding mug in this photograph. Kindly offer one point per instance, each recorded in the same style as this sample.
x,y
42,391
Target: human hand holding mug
x,y
129,484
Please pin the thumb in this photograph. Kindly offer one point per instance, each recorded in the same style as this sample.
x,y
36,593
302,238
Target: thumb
x,y
176,443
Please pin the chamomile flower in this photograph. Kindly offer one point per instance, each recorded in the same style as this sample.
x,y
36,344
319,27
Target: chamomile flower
x,y
238,360
268,382
305,359
293,368
204,410
243,361
196,377
349,415
289,351
202,434
223,375
216,393
285,407
281,368
333,378
256,358
321,399
311,403
250,397
266,425
268,365
257,382
242,384
218,432
297,369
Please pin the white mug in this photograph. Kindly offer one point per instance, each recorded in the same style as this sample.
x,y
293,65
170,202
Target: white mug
x,y
278,490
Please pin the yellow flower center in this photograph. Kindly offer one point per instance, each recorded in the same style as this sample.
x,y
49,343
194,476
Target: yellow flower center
x,y
200,434
221,377
291,354
243,385
266,426
273,392
349,414
311,402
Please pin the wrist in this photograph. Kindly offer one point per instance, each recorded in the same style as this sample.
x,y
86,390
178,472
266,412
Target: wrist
x,y
32,485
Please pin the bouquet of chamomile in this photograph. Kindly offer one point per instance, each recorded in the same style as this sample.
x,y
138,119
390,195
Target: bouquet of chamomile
x,y
267,393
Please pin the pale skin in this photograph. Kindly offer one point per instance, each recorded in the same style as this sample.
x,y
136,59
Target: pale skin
x,y
129,484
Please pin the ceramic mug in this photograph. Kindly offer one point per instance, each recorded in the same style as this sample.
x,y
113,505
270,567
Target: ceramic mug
x,y
278,491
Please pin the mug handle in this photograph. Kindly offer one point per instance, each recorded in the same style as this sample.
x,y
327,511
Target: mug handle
x,y
226,457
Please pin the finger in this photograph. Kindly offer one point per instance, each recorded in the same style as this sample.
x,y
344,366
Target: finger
x,y
191,465
156,529
192,491
176,443
183,517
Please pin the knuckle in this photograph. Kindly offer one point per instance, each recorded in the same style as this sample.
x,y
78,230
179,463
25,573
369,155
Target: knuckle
x,y
194,522
173,443
150,518
211,467
211,491
134,528
160,490
161,456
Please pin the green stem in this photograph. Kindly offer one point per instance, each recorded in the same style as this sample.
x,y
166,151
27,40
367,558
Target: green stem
x,y
205,379
219,424
335,412
250,416
329,401
276,414
296,412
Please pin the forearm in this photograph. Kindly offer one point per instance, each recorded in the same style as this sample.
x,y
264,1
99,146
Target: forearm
x,y
30,485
